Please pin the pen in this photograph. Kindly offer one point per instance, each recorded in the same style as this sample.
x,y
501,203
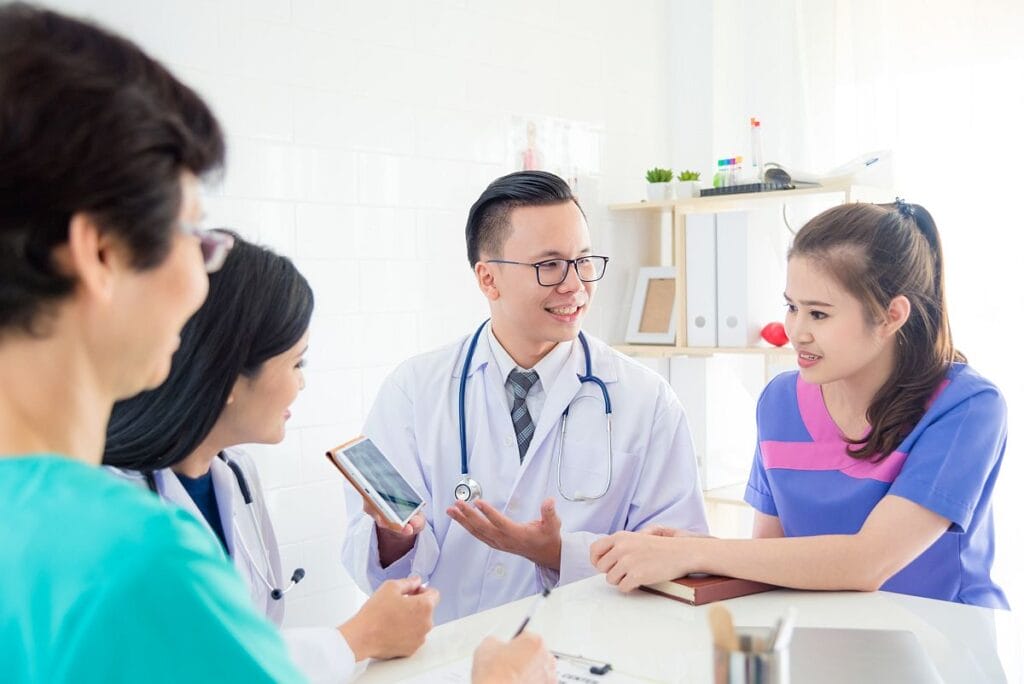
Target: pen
x,y
533,609
780,639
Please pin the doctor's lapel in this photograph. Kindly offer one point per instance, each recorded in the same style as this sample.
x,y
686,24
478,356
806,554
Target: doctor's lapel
x,y
488,423
567,387
229,501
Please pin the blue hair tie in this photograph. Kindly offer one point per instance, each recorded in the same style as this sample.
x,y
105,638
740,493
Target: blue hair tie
x,y
905,209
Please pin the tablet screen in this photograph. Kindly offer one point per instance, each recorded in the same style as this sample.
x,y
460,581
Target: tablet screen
x,y
383,477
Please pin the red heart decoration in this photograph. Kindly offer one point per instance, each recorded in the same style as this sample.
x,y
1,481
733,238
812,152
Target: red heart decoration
x,y
774,333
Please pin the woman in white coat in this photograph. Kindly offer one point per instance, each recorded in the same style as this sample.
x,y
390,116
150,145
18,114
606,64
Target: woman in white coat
x,y
232,380
237,371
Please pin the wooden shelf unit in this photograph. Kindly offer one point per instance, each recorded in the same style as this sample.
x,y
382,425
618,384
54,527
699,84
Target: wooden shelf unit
x,y
746,200
709,205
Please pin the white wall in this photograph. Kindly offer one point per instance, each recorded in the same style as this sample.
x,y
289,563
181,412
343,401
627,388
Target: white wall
x,y
359,135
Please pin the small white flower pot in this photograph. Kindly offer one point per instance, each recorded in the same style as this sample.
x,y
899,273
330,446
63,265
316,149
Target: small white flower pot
x,y
687,189
659,192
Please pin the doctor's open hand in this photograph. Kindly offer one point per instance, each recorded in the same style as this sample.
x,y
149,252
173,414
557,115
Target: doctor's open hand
x,y
630,559
538,540
393,622
524,659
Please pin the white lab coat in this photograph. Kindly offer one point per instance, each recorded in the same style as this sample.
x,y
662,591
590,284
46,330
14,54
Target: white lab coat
x,y
321,653
414,422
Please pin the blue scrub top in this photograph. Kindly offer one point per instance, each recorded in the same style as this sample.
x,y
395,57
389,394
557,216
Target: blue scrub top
x,y
948,464
105,583
204,496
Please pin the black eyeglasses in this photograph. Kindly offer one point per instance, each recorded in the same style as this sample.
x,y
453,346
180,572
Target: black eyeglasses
x,y
551,272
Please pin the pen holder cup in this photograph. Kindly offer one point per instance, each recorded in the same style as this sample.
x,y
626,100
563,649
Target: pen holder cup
x,y
752,664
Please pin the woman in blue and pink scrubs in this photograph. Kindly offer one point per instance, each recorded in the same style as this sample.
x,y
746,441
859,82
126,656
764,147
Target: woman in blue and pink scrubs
x,y
875,462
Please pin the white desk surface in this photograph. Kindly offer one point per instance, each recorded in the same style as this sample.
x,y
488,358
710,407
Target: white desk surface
x,y
650,636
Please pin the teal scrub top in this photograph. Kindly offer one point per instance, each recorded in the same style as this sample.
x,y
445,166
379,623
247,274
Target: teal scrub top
x,y
102,582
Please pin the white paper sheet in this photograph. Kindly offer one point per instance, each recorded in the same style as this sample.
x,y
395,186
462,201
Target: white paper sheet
x,y
569,672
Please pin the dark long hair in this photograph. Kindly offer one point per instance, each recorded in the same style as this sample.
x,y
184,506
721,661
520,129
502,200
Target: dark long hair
x,y
259,306
878,252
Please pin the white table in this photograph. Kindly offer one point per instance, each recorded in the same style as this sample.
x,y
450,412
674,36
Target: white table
x,y
664,640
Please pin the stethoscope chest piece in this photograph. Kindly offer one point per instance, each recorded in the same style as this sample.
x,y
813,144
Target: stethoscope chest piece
x,y
467,489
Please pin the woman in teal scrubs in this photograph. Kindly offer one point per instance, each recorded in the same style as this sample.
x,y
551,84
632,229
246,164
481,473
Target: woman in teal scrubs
x,y
100,266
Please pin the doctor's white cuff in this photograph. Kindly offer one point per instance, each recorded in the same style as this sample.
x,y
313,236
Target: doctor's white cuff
x,y
322,654
419,560
575,560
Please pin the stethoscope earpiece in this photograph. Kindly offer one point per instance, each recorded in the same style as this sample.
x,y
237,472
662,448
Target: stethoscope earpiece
x,y
278,594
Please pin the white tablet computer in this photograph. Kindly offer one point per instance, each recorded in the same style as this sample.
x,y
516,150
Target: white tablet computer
x,y
373,476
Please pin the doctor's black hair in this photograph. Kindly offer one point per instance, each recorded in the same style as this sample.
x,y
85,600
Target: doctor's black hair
x,y
487,225
259,306
90,125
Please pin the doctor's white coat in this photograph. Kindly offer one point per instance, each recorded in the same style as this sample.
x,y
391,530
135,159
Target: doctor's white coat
x,y
321,653
414,422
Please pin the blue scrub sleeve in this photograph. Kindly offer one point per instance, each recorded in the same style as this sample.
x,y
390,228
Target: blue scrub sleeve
x,y
955,459
175,611
759,492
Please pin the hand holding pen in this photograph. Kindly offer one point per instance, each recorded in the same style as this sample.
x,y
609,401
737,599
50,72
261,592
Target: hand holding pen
x,y
523,659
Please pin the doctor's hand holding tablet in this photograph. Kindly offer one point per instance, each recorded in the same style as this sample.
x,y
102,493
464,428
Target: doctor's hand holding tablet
x,y
395,508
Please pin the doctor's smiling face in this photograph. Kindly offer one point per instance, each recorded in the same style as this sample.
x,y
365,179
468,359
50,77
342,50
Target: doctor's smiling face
x,y
528,318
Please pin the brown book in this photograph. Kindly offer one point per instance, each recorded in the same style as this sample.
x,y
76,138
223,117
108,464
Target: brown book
x,y
700,589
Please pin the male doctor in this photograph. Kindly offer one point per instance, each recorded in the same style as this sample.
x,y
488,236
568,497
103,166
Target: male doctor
x,y
540,493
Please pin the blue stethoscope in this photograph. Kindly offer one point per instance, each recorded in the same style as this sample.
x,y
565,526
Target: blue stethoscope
x,y
467,489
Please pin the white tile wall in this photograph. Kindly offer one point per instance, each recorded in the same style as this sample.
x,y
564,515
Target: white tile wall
x,y
359,134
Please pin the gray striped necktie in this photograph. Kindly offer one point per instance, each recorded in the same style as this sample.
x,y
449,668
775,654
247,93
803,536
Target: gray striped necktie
x,y
521,421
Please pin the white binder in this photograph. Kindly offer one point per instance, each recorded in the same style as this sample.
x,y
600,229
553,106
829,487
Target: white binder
x,y
701,314
750,262
731,274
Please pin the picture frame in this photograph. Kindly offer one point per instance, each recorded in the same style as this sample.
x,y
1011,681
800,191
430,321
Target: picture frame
x,y
653,316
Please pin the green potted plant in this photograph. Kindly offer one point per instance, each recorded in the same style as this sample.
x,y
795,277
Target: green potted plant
x,y
688,184
659,184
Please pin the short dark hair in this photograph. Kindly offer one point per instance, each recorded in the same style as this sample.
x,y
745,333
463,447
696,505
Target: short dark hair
x,y
88,123
259,306
487,226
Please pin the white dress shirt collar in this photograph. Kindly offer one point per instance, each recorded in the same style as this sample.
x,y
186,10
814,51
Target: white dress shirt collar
x,y
548,368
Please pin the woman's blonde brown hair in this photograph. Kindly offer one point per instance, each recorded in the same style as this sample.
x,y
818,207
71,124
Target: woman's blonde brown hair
x,y
878,252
